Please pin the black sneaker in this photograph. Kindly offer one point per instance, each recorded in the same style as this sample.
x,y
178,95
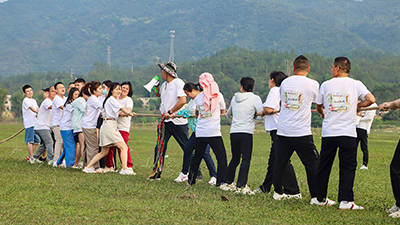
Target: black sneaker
x,y
42,159
199,176
156,176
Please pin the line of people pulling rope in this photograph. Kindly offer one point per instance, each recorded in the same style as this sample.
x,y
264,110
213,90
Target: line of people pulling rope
x,y
95,118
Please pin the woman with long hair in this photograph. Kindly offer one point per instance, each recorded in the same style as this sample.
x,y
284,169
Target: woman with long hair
x,y
89,121
66,131
109,135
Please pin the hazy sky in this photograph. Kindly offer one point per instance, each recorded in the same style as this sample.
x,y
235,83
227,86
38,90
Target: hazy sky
x,y
1,1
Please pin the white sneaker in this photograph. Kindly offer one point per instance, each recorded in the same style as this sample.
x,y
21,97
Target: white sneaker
x,y
395,214
89,170
55,164
394,208
213,181
296,196
129,168
363,167
182,177
32,160
279,196
349,206
228,187
328,202
109,169
50,163
126,172
245,190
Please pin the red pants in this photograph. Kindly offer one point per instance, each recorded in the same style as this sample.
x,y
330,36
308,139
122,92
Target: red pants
x,y
110,157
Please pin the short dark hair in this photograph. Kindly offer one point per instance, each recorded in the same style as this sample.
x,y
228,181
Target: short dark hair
x,y
301,63
278,77
85,90
107,83
93,86
343,63
58,83
189,87
247,84
26,86
130,93
80,80
73,82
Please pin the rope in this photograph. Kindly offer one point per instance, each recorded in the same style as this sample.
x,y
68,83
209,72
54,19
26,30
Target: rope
x,y
12,136
159,161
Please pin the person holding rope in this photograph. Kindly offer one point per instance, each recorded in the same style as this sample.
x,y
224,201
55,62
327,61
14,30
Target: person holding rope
x,y
210,105
363,128
173,98
29,112
337,104
109,135
271,106
57,112
394,166
297,93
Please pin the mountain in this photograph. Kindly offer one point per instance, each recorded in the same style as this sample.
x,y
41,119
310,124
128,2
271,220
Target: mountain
x,y
62,35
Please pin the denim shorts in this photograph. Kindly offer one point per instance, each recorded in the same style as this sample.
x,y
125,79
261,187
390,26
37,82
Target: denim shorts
x,y
31,136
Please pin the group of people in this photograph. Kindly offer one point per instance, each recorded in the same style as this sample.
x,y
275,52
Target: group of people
x,y
94,118
287,113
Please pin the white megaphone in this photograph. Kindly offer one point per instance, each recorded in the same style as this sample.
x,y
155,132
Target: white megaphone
x,y
152,83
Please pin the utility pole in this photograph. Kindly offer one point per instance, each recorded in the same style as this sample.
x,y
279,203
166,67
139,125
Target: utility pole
x,y
109,56
266,69
72,73
171,50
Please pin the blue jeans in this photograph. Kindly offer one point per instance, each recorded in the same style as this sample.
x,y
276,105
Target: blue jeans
x,y
69,148
189,153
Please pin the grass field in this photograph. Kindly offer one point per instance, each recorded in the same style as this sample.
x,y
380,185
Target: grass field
x,y
40,194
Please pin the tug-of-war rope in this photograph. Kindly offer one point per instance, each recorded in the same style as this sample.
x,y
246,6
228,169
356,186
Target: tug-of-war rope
x,y
162,121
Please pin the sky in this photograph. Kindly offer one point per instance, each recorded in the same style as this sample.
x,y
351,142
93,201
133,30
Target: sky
x,y
1,1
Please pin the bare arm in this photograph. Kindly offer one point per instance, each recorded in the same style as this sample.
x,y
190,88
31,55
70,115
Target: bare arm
x,y
126,112
33,109
320,109
223,112
390,105
158,91
369,100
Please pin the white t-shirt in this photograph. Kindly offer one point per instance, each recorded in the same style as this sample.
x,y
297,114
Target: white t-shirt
x,y
272,101
170,93
124,123
43,120
111,108
242,109
208,124
93,109
66,120
339,97
297,95
57,112
28,115
367,119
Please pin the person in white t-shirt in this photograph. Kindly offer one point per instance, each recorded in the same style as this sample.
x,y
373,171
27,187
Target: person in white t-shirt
x,y
29,112
271,112
363,128
89,122
42,127
210,105
123,125
67,133
337,104
297,94
57,112
243,108
173,98
109,134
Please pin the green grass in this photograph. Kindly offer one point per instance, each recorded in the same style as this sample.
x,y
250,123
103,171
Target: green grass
x,y
40,194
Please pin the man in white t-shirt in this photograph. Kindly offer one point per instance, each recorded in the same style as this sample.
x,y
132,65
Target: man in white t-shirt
x,y
337,104
294,126
29,112
57,112
173,98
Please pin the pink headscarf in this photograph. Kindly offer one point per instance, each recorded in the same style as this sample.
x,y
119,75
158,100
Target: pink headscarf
x,y
210,91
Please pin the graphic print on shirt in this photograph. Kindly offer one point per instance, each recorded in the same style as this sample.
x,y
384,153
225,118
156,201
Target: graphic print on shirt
x,y
293,100
202,111
339,102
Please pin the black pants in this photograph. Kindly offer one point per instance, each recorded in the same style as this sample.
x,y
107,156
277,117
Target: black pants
x,y
347,166
289,180
395,174
308,154
362,138
217,145
241,147
179,132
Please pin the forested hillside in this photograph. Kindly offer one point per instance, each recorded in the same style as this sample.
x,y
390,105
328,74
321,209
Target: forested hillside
x,y
41,36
